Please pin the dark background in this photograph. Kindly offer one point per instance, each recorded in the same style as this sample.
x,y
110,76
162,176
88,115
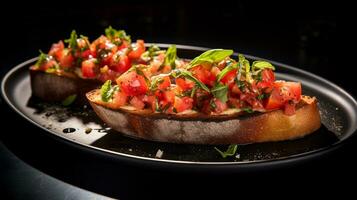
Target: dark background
x,y
301,34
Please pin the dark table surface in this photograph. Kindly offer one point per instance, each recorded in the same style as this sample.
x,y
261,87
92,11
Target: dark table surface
x,y
35,166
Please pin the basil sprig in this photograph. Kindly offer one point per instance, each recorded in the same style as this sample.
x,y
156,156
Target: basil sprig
x,y
72,41
210,56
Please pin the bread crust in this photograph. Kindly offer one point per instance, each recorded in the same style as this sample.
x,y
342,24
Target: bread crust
x,y
57,87
210,129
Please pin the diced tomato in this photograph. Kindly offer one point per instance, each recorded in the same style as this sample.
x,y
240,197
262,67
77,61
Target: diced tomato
x,y
120,99
215,71
47,65
268,79
234,102
165,84
169,96
67,59
151,101
56,50
229,77
120,63
157,62
235,89
125,44
88,54
251,99
204,75
220,106
138,49
132,84
107,74
137,103
88,68
185,84
289,109
182,104
82,43
283,92
105,57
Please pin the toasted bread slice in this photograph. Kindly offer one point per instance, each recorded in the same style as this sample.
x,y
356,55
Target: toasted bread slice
x,y
57,87
195,128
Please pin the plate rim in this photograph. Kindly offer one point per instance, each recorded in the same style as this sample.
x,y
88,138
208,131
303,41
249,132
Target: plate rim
x,y
167,162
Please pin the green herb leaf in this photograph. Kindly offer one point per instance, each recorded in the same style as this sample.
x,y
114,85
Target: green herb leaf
x,y
107,90
188,75
210,56
248,110
220,91
42,58
231,150
112,34
170,56
244,64
227,69
155,81
258,65
152,51
212,104
72,41
69,100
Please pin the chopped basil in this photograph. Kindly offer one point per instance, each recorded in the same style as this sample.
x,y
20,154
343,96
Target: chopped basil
x,y
231,151
69,100
240,84
193,91
72,41
42,58
170,56
248,110
157,107
188,75
244,64
52,69
166,107
107,90
220,91
263,96
227,69
152,51
155,82
259,65
112,34
174,110
210,56
212,104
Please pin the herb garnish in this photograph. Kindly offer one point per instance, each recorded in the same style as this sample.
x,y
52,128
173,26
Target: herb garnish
x,y
210,56
231,150
107,90
69,100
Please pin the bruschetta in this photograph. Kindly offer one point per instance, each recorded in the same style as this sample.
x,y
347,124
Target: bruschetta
x,y
84,65
213,99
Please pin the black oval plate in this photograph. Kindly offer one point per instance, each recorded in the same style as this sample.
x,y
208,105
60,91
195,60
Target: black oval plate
x,y
82,128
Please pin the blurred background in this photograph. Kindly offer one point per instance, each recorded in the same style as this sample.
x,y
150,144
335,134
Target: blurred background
x,y
300,33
